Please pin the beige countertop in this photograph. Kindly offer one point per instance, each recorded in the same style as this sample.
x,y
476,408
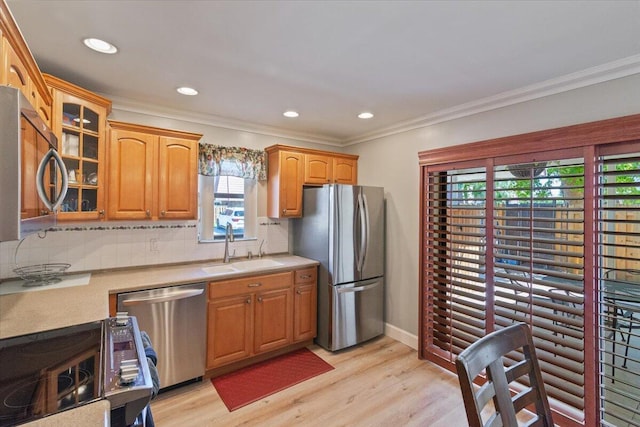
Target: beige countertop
x,y
27,312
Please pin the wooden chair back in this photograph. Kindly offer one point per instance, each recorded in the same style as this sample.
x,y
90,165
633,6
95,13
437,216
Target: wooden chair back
x,y
487,354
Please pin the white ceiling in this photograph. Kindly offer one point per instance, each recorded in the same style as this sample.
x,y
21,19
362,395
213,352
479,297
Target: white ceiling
x,y
408,62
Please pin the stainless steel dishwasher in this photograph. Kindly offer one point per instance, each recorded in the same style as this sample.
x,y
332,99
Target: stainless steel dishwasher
x,y
175,319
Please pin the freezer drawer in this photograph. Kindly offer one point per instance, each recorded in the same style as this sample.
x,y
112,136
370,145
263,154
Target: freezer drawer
x,y
357,312
175,319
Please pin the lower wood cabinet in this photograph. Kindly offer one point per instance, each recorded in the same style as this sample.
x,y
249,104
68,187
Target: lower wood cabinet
x,y
305,304
253,316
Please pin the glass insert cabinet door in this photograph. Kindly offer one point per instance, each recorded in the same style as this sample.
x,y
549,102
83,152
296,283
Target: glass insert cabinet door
x,y
79,122
80,144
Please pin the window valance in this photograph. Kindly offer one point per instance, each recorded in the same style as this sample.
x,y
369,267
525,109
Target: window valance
x,y
218,160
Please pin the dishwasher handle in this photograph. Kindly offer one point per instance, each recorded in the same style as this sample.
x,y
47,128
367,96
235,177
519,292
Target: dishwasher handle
x,y
170,296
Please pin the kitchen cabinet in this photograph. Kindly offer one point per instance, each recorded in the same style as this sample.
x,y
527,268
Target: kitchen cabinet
x,y
290,168
248,316
79,120
19,69
256,316
320,169
305,307
284,185
152,173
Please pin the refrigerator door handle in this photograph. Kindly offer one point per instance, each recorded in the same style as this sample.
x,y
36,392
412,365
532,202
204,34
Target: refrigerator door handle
x,y
363,216
363,229
365,213
357,288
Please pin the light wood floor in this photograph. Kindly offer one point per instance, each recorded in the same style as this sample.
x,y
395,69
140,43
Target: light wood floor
x,y
378,384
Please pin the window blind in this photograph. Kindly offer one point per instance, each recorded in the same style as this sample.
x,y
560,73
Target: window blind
x,y
532,218
619,284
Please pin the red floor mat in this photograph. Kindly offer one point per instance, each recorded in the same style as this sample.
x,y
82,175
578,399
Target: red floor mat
x,y
255,382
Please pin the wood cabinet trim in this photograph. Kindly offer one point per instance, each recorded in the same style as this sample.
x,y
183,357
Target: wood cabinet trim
x,y
155,130
83,95
12,33
280,147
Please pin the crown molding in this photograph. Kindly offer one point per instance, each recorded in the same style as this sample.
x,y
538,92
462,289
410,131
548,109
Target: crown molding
x,y
124,104
610,71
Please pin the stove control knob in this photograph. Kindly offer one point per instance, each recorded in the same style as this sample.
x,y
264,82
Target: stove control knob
x,y
122,318
129,371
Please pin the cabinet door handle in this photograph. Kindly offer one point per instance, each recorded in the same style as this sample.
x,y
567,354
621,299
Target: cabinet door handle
x,y
148,212
101,212
248,300
162,213
284,211
259,299
306,276
298,292
254,285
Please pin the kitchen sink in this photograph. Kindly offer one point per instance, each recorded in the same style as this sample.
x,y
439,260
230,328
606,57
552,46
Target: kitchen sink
x,y
256,264
241,266
220,269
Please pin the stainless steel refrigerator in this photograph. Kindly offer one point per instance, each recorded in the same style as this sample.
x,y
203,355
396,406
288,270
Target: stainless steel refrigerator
x,y
342,227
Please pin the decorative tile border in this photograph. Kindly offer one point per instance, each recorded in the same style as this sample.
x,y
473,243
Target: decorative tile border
x,y
119,227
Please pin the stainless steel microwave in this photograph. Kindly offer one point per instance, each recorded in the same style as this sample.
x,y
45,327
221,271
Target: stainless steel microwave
x,y
33,177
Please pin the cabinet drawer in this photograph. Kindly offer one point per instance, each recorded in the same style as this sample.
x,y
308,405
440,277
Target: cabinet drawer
x,y
308,275
250,284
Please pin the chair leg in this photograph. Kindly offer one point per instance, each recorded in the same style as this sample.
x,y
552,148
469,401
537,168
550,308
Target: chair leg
x,y
616,311
626,350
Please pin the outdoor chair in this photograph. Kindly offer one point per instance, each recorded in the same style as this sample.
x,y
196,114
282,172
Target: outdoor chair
x,y
624,314
566,299
489,354
520,281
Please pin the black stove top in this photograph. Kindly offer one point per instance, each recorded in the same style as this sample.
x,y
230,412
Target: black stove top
x,y
48,372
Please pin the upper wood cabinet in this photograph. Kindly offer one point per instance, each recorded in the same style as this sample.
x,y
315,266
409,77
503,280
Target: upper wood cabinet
x,y
322,169
284,185
19,69
79,120
290,168
152,173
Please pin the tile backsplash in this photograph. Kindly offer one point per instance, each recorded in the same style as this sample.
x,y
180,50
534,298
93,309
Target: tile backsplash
x,y
102,246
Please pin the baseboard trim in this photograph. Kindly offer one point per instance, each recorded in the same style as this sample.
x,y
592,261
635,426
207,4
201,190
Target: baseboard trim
x,y
401,335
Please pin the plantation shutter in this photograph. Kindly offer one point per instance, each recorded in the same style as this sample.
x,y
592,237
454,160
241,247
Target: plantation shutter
x,y
454,259
619,282
538,262
534,214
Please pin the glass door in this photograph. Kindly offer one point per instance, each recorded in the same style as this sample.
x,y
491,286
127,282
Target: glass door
x,y
80,136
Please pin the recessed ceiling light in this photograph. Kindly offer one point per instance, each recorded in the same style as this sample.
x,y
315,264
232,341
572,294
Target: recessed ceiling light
x,y
187,91
100,45
290,114
365,115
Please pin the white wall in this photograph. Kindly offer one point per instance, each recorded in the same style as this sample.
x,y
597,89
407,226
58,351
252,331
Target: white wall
x,y
392,162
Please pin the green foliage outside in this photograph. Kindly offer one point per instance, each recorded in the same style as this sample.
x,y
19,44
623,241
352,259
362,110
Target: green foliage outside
x,y
555,181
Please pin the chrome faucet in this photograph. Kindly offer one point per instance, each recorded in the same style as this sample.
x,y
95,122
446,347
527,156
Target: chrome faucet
x,y
260,253
228,237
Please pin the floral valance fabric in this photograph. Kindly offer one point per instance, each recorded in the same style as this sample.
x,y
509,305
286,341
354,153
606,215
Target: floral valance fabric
x,y
217,160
